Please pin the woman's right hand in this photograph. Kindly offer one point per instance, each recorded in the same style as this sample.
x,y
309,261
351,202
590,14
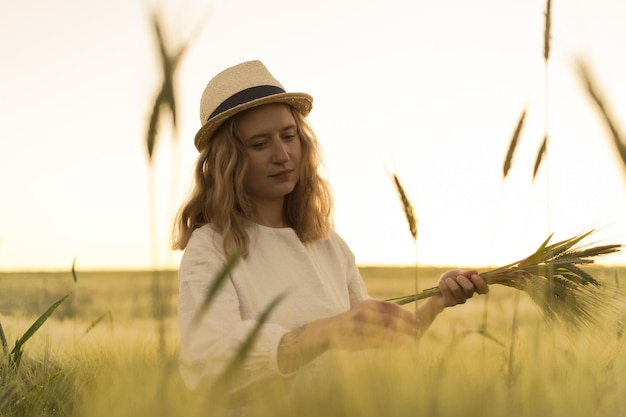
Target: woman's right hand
x,y
371,324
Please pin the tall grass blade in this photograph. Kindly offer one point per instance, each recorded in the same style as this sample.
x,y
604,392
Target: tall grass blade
x,y
508,160
219,280
540,155
234,365
17,349
3,341
546,32
597,97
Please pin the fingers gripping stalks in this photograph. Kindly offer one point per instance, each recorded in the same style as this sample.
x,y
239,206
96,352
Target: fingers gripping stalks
x,y
456,286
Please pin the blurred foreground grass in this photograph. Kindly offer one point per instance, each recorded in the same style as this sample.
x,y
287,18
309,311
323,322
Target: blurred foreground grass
x,y
493,356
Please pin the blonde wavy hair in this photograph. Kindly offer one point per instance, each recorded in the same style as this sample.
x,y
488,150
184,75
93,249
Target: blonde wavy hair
x,y
219,197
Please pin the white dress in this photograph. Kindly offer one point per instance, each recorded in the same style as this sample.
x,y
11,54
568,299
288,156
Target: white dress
x,y
318,279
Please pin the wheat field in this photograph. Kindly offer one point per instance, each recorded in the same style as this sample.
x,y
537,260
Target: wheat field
x,y
99,354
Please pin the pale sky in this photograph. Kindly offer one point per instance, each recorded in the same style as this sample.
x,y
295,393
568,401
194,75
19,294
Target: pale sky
x,y
429,89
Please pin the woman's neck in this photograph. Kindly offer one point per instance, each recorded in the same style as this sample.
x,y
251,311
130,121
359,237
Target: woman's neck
x,y
270,215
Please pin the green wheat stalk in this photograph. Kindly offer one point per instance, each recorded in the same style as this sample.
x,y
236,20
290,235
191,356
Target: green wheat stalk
x,y
218,282
225,379
552,277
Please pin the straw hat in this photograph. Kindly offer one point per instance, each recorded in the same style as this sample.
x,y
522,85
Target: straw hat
x,y
238,88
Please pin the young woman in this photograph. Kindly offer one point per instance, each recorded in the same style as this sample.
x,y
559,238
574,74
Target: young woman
x,y
257,189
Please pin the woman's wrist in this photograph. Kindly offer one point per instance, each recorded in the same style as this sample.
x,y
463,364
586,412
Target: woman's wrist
x,y
303,344
437,304
427,313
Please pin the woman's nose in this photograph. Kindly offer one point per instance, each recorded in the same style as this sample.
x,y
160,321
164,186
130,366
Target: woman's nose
x,y
280,152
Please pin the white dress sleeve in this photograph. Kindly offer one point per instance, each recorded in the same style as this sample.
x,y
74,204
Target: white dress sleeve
x,y
209,345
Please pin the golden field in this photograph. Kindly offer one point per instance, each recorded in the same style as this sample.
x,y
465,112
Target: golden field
x,y
105,351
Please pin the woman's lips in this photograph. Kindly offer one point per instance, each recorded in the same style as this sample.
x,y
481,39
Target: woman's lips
x,y
282,175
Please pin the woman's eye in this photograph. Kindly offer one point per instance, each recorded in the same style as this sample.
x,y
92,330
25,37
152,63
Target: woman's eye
x,y
257,145
289,137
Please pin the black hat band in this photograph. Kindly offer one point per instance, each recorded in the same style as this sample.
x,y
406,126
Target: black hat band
x,y
245,96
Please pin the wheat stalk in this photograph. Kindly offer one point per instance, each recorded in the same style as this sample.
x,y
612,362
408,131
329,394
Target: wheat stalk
x,y
165,97
547,30
508,160
411,218
551,276
541,153
597,97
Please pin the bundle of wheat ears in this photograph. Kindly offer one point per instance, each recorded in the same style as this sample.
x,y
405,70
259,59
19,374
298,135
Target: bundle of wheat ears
x,y
552,278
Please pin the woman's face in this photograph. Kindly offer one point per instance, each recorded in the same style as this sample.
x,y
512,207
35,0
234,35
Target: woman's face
x,y
273,149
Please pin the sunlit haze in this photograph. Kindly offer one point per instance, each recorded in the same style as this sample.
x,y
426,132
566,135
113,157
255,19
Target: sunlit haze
x,y
431,90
